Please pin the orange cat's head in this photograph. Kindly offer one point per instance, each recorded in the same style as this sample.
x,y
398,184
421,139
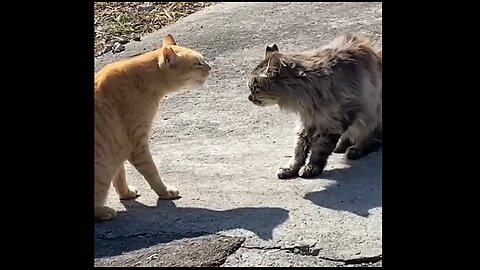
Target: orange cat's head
x,y
186,66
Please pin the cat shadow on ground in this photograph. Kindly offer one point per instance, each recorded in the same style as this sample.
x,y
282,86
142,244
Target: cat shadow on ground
x,y
357,189
142,226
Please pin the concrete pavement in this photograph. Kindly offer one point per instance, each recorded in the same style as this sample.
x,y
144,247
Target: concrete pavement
x,y
222,153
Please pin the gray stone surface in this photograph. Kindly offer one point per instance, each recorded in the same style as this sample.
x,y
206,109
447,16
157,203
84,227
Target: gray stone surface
x,y
222,152
194,252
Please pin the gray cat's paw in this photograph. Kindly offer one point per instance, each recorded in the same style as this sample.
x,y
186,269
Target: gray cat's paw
x,y
340,149
354,153
286,173
310,170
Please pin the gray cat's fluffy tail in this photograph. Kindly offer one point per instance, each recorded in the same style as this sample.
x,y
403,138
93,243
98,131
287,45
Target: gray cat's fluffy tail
x,y
350,41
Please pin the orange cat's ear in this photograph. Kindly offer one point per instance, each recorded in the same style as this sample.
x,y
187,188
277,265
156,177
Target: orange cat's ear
x,y
169,40
270,50
169,56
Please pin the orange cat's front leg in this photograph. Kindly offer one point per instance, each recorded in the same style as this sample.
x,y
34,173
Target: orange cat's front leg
x,y
142,160
123,190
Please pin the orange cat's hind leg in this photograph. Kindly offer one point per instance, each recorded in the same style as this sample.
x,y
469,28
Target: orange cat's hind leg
x,y
102,184
123,190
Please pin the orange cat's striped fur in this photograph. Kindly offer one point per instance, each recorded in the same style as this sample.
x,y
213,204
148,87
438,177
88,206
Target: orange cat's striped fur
x,y
127,95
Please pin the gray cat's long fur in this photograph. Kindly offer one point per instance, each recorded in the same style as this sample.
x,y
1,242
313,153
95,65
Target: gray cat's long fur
x,y
335,90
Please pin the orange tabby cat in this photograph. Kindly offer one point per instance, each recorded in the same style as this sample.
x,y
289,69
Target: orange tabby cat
x,y
127,95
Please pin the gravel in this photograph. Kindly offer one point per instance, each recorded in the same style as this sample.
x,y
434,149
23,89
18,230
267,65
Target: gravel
x,y
117,23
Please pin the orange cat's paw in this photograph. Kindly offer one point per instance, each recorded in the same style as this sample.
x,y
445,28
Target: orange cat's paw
x,y
132,193
105,213
170,193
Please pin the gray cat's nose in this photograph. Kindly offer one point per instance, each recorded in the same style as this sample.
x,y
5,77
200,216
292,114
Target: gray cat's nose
x,y
250,97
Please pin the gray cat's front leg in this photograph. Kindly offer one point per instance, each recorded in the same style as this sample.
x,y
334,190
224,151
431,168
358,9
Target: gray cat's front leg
x,y
302,147
321,149
343,144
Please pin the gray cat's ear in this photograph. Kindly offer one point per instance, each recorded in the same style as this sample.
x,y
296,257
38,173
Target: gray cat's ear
x,y
270,49
275,65
168,40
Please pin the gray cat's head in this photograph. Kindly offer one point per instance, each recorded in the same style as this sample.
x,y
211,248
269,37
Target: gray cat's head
x,y
264,84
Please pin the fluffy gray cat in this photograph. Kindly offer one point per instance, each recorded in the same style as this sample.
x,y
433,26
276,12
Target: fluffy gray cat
x,y
336,91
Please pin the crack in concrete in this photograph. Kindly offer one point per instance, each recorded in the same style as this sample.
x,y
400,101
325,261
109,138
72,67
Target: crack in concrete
x,y
151,234
308,250
234,249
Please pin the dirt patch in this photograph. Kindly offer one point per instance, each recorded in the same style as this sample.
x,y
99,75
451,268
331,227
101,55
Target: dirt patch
x,y
119,23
